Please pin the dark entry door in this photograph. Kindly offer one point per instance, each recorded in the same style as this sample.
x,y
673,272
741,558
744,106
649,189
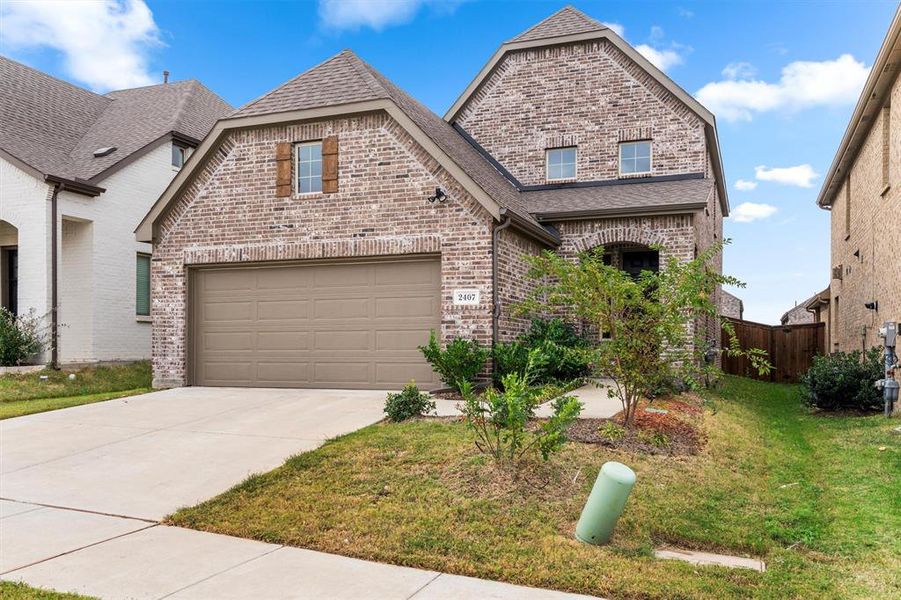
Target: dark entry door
x,y
10,284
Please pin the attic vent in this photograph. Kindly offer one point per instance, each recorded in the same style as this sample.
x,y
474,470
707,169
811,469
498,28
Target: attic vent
x,y
105,151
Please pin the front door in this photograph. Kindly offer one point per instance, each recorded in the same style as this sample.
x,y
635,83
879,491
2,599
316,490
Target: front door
x,y
9,282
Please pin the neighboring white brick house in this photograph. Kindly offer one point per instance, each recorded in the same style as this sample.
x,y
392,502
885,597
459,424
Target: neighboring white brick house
x,y
99,201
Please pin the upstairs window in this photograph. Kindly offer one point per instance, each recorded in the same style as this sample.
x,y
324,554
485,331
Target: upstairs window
x,y
308,167
179,154
561,164
635,158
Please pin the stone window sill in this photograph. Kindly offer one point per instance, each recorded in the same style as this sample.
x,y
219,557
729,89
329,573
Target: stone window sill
x,y
143,319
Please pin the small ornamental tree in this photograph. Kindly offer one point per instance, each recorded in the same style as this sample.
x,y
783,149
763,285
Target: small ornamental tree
x,y
653,322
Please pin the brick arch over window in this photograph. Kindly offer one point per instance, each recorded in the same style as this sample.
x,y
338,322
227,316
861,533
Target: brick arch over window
x,y
618,235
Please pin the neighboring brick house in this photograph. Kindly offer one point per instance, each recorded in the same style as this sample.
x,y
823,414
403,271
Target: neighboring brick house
x,y
863,192
78,171
731,306
799,314
327,226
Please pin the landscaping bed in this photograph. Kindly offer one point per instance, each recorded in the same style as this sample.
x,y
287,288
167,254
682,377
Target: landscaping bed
x,y
672,426
815,499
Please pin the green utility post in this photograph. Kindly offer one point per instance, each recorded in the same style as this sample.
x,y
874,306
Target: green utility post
x,y
605,503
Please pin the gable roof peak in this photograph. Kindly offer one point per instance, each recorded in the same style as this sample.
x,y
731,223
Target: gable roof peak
x,y
340,79
566,21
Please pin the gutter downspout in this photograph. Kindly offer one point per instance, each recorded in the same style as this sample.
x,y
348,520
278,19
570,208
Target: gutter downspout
x,y
496,313
54,278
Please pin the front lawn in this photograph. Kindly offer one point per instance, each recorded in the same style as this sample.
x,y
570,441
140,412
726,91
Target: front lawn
x,y
19,591
813,496
26,393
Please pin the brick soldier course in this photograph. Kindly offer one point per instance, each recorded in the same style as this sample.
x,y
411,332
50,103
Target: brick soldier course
x,y
568,81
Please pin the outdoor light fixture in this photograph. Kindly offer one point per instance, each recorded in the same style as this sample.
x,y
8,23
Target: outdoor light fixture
x,y
440,196
872,305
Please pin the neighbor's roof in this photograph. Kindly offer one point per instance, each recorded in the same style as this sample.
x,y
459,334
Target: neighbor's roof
x,y
54,127
620,197
568,26
873,97
566,21
799,308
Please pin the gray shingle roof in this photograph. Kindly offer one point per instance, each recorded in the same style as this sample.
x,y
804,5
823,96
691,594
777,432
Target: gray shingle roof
x,y
566,21
55,126
628,195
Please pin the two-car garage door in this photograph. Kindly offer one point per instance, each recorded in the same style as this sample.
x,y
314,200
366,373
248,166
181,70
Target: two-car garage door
x,y
327,324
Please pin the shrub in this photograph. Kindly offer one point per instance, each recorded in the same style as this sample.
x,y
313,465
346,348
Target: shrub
x,y
509,357
551,350
457,364
612,431
409,403
844,381
499,420
653,438
20,337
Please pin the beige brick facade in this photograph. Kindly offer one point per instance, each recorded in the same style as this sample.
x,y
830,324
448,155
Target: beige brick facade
x,y
865,239
231,215
589,94
586,95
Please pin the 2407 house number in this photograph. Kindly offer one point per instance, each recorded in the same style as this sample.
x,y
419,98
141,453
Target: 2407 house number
x,y
466,297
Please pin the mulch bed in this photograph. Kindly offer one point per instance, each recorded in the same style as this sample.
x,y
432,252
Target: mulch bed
x,y
677,432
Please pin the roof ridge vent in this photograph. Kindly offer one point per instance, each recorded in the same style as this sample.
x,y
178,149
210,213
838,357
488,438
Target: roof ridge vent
x,y
105,151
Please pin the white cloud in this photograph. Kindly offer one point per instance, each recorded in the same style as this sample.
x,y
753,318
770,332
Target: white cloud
x,y
375,14
743,185
617,28
802,84
799,176
739,70
105,43
747,212
662,59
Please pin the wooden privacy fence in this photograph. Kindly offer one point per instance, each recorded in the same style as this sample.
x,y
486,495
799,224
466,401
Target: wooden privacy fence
x,y
791,349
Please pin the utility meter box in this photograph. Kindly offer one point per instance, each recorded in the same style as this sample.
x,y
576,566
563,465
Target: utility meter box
x,y
889,332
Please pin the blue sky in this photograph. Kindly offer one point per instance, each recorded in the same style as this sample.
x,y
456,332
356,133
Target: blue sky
x,y
782,77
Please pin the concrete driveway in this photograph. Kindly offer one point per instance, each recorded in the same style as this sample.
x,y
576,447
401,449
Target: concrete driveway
x,y
146,456
82,491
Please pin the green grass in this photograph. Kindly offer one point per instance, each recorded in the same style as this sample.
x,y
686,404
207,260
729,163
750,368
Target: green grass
x,y
20,591
811,495
27,393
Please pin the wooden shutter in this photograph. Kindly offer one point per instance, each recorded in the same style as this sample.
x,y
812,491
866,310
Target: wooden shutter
x,y
142,286
283,169
330,164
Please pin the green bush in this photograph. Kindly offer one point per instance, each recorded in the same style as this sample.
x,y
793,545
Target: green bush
x,y
612,431
409,403
844,381
509,357
20,337
561,350
459,363
499,420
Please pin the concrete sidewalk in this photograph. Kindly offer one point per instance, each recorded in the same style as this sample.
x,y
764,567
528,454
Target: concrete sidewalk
x,y
156,561
83,490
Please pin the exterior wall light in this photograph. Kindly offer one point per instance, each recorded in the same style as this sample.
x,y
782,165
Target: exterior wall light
x,y
440,196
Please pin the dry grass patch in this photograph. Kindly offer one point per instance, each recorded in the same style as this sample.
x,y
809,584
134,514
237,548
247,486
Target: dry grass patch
x,y
418,494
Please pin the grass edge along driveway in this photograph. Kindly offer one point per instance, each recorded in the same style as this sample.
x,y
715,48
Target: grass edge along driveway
x,y
25,394
812,495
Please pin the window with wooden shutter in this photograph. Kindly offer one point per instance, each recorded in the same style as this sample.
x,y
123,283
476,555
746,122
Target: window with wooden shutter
x,y
283,169
330,164
142,286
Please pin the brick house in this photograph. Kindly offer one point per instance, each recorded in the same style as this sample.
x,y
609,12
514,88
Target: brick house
x,y
731,306
323,229
862,192
78,171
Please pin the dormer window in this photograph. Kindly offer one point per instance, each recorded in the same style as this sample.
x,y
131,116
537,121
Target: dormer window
x,y
179,154
561,163
635,158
